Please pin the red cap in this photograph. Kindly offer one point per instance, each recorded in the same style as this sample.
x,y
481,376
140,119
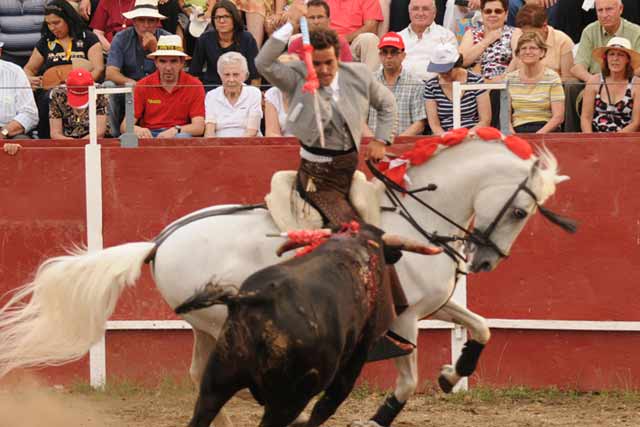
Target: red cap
x,y
391,39
78,82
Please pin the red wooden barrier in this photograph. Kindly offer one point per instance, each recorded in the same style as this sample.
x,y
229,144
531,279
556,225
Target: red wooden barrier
x,y
551,275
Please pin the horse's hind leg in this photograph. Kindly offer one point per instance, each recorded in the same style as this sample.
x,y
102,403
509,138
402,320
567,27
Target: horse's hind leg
x,y
203,345
208,406
468,360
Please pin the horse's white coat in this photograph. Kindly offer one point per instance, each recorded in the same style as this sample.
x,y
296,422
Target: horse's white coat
x,y
474,180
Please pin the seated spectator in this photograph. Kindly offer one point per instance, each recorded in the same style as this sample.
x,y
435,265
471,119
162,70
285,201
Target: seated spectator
x,y
65,38
234,109
597,34
257,12
318,16
69,108
489,48
406,89
227,36
127,61
18,111
109,19
357,21
612,109
20,27
421,37
168,103
438,93
276,106
458,18
559,55
535,91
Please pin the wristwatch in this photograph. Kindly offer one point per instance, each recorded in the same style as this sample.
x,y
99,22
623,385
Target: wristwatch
x,y
5,132
178,128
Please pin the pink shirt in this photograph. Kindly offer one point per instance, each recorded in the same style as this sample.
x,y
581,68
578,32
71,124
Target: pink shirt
x,y
349,15
345,51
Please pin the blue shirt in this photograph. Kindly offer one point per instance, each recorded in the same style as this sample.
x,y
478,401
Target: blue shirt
x,y
127,54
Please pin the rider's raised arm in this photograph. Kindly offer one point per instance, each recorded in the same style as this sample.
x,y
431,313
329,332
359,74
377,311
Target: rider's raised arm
x,y
278,74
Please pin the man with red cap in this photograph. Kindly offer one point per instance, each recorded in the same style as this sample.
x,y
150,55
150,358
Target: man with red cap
x,y
405,88
69,108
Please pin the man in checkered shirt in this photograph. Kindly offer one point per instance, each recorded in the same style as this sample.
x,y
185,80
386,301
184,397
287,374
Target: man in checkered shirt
x,y
407,89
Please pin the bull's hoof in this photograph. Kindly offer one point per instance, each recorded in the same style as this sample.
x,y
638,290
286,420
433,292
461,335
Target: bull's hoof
x,y
301,421
448,378
369,423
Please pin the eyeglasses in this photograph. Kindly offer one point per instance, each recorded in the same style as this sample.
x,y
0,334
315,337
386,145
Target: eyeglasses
x,y
493,11
221,17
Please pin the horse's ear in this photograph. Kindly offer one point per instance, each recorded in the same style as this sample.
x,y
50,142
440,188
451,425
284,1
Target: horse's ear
x,y
561,178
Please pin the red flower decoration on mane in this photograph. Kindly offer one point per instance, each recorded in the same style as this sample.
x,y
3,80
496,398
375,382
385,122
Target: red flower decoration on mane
x,y
519,146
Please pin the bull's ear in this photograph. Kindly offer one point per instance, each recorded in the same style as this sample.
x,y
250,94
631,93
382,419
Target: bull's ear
x,y
561,178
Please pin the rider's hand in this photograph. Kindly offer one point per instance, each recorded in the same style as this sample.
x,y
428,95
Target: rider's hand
x,y
376,150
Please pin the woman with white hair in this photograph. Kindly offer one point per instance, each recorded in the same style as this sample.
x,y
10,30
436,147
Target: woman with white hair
x,y
233,109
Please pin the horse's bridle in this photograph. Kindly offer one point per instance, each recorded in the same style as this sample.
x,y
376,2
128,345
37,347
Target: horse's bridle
x,y
477,237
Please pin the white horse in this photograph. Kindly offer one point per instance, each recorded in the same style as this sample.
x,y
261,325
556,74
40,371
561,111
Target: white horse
x,y
481,182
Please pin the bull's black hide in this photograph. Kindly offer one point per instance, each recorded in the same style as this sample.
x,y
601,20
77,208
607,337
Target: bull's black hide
x,y
296,329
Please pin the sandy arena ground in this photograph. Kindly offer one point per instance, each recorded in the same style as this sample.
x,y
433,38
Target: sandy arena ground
x,y
171,406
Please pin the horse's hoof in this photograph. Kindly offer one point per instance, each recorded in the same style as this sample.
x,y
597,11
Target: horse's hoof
x,y
448,378
369,423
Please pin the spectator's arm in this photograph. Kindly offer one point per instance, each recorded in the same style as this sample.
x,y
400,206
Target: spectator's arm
x,y
588,104
416,128
97,60
557,117
27,117
31,69
634,125
197,59
101,125
484,110
566,64
382,99
113,73
271,122
369,26
432,116
583,58
210,130
580,72
471,52
106,45
85,9
56,129
196,127
14,127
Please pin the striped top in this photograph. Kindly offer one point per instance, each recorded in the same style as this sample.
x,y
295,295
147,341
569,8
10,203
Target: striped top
x,y
531,103
468,103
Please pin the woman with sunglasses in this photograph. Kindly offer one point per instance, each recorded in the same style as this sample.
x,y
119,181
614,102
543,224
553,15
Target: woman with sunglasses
x,y
227,36
489,48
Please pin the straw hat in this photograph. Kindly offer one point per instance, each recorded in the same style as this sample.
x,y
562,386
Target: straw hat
x,y
618,43
144,8
169,45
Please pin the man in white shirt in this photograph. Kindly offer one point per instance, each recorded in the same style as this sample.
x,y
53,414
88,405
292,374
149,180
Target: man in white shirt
x,y
422,36
18,111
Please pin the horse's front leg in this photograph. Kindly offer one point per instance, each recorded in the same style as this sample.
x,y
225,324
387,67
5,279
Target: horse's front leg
x,y
468,360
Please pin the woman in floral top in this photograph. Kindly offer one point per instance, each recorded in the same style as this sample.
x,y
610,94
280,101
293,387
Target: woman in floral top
x,y
69,108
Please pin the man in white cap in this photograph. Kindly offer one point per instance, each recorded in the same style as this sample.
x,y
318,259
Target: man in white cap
x,y
170,102
18,111
127,61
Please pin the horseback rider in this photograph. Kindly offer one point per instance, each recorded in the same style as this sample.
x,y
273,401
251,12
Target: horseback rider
x,y
347,90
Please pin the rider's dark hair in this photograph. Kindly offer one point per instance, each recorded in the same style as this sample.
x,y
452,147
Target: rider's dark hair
x,y
324,38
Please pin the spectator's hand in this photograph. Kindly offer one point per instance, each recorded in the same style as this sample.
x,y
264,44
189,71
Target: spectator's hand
x,y
36,82
149,42
376,150
142,132
85,9
11,149
474,4
492,36
296,10
168,133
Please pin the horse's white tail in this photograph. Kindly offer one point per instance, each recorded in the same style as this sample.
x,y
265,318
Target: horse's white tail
x,y
71,299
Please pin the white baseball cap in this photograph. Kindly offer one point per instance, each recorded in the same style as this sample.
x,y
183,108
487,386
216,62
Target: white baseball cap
x,y
443,59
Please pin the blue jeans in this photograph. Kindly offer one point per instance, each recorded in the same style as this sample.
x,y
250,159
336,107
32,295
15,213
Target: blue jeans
x,y
155,133
515,5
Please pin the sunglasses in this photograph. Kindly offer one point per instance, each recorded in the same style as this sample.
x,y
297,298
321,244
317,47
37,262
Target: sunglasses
x,y
221,17
493,11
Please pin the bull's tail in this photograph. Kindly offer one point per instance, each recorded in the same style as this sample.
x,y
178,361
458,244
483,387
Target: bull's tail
x,y
211,294
71,298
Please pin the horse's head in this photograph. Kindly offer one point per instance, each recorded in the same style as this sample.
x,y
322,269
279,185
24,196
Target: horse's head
x,y
503,208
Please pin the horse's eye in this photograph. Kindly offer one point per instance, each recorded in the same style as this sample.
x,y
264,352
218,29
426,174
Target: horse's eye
x,y
519,213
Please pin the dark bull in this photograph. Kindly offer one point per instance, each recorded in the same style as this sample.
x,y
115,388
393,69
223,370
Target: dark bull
x,y
300,327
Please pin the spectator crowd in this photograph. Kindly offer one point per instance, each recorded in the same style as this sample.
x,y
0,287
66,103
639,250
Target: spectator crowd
x,y
568,65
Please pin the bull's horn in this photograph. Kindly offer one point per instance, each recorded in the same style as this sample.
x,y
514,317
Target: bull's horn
x,y
289,245
409,245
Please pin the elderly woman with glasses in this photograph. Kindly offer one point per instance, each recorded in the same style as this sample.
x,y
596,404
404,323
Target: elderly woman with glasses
x,y
234,109
227,36
489,48
535,91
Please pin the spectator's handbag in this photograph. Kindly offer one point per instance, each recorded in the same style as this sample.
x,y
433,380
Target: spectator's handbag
x,y
57,75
